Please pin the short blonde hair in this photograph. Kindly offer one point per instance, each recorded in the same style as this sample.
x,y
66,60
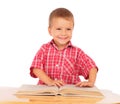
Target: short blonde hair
x,y
61,12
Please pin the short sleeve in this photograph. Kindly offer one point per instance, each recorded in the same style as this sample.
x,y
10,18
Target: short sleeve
x,y
85,64
38,61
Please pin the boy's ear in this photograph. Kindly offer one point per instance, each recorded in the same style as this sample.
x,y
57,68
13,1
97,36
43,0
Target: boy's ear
x,y
49,30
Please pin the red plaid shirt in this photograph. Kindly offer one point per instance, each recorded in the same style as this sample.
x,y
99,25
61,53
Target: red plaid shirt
x,y
67,64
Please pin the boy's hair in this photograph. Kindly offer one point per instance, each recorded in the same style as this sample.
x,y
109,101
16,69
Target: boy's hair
x,y
61,12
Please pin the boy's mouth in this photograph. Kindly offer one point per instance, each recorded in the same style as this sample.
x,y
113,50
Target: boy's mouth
x,y
63,38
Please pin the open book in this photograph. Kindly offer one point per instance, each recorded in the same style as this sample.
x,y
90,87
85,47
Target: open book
x,y
66,90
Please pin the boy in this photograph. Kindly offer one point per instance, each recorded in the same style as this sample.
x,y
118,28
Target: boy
x,y
58,62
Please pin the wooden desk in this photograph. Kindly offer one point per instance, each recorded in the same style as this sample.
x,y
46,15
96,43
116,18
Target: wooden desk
x,y
7,97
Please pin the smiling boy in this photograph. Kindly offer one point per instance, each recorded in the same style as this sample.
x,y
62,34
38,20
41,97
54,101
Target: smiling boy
x,y
58,62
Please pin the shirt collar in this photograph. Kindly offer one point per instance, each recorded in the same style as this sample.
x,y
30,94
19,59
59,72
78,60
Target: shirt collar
x,y
54,45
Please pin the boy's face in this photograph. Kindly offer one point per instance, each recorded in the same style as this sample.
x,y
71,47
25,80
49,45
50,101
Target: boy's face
x,y
61,31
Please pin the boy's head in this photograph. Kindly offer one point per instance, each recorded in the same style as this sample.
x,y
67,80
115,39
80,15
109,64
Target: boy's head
x,y
62,13
61,23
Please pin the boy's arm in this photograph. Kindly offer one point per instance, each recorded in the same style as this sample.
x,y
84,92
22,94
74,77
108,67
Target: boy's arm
x,y
91,79
46,79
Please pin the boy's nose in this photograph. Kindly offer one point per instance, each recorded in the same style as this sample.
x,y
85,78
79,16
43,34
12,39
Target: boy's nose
x,y
64,32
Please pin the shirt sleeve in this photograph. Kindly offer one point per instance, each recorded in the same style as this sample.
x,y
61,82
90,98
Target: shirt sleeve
x,y
85,64
38,61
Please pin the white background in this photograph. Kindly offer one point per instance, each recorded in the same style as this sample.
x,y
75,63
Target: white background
x,y
23,29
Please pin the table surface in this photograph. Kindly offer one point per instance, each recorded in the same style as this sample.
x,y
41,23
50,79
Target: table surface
x,y
7,96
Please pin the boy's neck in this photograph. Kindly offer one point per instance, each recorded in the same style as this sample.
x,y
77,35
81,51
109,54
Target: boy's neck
x,y
61,47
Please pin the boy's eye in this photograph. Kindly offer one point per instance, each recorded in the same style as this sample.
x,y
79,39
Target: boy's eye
x,y
58,29
68,28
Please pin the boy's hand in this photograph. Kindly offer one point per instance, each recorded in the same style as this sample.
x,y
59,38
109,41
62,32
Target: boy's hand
x,y
58,83
85,84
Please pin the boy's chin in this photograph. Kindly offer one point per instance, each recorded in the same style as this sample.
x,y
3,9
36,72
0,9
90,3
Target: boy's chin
x,y
63,43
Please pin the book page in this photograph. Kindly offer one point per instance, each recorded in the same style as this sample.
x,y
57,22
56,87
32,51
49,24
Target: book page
x,y
66,90
72,90
37,90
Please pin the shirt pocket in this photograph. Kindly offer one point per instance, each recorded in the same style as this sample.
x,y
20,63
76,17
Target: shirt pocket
x,y
69,65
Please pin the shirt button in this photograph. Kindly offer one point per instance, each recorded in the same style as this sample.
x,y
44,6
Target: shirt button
x,y
57,65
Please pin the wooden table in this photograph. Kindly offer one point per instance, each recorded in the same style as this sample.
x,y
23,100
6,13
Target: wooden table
x,y
7,97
